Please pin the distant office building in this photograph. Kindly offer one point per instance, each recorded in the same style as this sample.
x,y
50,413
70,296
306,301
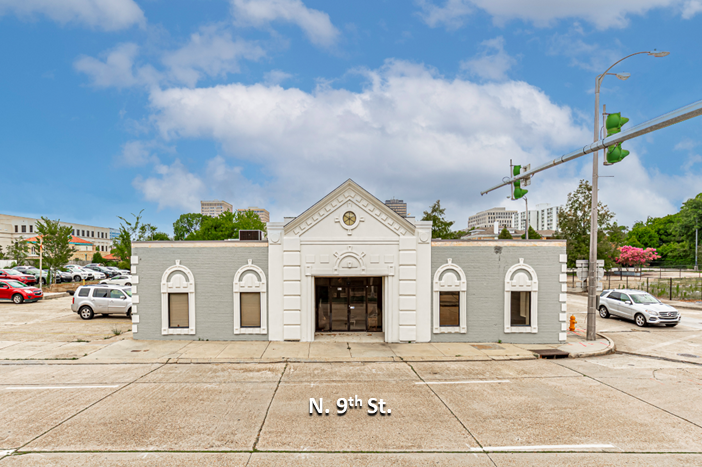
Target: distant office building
x,y
485,219
114,233
398,206
543,217
13,228
262,213
214,208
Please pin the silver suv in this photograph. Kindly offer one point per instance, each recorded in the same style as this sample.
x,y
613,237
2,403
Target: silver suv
x,y
639,306
104,299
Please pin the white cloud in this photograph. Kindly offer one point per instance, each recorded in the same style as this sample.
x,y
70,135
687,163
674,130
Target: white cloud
x,y
410,133
316,24
686,144
275,77
173,187
109,15
492,63
138,153
210,52
590,57
601,13
117,68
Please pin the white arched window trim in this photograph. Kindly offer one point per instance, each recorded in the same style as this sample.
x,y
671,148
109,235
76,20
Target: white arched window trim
x,y
516,282
249,283
176,285
450,283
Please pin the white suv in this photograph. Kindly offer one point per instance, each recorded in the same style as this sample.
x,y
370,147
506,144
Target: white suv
x,y
78,273
104,299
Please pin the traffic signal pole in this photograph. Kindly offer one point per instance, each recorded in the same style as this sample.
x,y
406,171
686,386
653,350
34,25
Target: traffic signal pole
x,y
592,270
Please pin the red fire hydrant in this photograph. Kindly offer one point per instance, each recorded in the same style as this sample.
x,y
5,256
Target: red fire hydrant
x,y
572,323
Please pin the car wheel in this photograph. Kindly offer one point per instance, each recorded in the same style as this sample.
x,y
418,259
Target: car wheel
x,y
86,312
128,283
129,313
603,312
17,298
76,278
640,320
43,281
672,325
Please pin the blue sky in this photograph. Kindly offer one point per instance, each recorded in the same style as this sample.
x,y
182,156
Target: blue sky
x,y
113,107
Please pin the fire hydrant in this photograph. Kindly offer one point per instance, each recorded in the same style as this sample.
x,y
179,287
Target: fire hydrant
x,y
572,323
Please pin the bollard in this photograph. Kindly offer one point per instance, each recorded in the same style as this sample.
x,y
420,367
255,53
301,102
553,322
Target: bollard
x,y
572,323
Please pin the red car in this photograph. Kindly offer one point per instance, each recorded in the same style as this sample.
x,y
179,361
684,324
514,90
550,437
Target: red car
x,y
11,274
18,292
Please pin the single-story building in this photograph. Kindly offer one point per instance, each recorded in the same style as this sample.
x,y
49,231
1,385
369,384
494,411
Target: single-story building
x,y
351,264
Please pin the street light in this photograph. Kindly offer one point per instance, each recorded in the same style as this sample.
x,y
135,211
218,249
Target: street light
x,y
592,273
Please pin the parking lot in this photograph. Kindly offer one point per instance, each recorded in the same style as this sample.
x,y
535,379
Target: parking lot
x,y
609,410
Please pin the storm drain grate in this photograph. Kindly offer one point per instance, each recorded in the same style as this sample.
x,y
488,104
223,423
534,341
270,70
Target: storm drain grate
x,y
688,355
551,353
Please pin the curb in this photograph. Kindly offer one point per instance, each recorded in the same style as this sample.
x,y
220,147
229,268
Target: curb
x,y
611,348
54,295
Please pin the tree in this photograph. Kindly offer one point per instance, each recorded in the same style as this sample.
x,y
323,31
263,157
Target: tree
x,y
135,231
636,257
2,255
441,228
533,234
227,225
97,258
505,235
642,236
18,251
689,220
186,225
56,240
160,237
574,226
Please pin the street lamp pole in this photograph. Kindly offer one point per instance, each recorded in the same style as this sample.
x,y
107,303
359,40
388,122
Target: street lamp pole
x,y
592,272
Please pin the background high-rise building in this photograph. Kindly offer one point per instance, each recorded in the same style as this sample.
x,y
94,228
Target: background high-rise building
x,y
262,213
397,205
13,228
214,208
487,218
542,217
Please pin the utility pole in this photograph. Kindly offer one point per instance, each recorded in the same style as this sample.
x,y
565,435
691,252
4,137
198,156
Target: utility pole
x,y
696,237
41,257
526,229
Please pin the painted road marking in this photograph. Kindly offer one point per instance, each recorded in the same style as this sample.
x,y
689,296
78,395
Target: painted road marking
x,y
22,388
553,447
464,382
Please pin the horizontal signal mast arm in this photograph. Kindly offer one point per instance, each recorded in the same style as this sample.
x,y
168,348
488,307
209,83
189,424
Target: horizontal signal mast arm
x,y
671,118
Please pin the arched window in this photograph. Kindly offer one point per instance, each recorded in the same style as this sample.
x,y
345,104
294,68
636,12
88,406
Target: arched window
x,y
449,299
177,301
250,315
521,299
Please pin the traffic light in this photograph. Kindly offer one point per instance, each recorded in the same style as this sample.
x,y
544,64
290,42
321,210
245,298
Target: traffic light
x,y
614,125
517,190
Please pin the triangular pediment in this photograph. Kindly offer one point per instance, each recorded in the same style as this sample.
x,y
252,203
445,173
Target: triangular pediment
x,y
350,193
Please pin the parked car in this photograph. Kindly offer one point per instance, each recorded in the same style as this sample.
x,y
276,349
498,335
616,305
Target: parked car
x,y
23,269
105,299
102,269
12,274
56,276
79,274
19,292
639,306
123,280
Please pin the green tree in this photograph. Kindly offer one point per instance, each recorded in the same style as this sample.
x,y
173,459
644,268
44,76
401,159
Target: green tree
x,y
186,225
56,240
642,236
227,225
134,231
689,220
160,237
441,228
2,255
18,251
533,234
505,235
97,258
574,226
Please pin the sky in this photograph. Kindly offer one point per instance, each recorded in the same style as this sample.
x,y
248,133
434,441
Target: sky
x,y
110,107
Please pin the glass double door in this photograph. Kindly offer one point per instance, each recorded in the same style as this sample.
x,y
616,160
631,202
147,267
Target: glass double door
x,y
344,304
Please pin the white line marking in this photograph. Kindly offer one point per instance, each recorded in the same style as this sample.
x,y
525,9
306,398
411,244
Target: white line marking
x,y
557,447
21,388
464,382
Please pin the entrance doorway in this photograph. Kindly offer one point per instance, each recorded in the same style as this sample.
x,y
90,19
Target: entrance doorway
x,y
347,304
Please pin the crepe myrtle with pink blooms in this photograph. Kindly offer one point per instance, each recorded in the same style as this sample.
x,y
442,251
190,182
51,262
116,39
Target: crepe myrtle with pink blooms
x,y
637,257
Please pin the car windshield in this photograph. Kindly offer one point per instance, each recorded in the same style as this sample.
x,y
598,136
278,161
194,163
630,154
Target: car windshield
x,y
643,298
17,284
13,272
128,291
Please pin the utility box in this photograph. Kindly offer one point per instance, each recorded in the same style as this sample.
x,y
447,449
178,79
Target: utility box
x,y
251,235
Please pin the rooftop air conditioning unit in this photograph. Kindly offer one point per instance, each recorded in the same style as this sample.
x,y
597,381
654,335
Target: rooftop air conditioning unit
x,y
251,235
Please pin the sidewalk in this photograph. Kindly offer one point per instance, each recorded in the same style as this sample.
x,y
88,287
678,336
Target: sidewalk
x,y
126,350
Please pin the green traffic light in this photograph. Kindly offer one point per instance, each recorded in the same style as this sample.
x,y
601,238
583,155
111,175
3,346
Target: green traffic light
x,y
616,154
517,170
614,123
518,190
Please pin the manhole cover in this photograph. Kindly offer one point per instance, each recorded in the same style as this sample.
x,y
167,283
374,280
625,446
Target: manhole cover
x,y
487,347
688,355
551,353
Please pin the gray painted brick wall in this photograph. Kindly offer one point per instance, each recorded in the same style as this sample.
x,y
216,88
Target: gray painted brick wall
x,y
485,267
214,268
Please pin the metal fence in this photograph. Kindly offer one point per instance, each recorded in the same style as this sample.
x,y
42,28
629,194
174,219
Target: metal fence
x,y
670,288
